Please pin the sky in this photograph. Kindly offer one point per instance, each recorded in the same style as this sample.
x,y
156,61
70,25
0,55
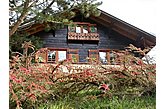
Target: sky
x,y
140,13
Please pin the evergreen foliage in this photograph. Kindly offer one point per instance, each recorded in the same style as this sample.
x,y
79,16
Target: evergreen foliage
x,y
16,42
43,11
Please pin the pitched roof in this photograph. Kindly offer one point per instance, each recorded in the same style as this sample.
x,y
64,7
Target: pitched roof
x,y
125,29
109,21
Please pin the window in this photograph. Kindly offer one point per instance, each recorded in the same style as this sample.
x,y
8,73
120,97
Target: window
x,y
112,57
104,57
55,55
83,31
73,55
93,29
62,55
78,29
115,57
72,29
52,56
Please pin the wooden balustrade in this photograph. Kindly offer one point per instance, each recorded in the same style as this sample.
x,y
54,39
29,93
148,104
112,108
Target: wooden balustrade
x,y
83,36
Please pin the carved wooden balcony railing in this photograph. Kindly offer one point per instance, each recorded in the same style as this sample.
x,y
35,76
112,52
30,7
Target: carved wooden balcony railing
x,y
83,36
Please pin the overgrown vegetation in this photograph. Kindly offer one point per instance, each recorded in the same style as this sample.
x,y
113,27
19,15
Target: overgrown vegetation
x,y
17,40
34,84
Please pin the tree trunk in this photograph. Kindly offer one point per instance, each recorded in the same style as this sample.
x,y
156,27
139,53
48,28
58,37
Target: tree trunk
x,y
22,17
15,27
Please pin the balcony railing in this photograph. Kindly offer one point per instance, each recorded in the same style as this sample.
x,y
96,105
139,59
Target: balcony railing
x,y
83,36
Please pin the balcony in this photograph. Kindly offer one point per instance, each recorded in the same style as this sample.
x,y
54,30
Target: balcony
x,y
83,36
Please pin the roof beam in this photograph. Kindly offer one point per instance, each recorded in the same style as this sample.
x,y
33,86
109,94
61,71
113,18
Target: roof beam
x,y
35,28
102,22
125,33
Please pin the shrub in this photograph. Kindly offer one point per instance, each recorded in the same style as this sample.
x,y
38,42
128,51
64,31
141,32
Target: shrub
x,y
33,84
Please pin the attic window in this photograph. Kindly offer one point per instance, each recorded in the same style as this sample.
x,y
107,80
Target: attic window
x,y
83,31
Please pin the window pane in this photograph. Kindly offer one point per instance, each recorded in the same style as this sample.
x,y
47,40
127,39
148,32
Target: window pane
x,y
51,55
112,58
85,29
78,29
93,29
61,55
72,29
103,57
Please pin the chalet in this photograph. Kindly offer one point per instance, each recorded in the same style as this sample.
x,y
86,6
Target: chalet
x,y
93,37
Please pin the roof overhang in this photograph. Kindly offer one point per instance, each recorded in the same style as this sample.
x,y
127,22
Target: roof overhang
x,y
139,36
126,29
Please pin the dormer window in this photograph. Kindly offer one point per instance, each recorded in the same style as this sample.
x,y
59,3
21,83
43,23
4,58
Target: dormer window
x,y
82,31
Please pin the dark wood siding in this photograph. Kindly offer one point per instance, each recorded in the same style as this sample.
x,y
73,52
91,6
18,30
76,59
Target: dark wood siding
x,y
109,39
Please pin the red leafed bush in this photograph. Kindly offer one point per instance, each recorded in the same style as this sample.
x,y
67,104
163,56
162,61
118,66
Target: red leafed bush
x,y
36,83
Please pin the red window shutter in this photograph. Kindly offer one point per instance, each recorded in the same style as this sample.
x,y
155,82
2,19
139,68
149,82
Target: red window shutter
x,y
73,55
108,57
93,56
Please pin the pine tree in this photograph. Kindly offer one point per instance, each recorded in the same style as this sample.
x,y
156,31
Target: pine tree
x,y
42,11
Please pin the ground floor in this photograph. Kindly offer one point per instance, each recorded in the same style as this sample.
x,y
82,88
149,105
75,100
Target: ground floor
x,y
54,55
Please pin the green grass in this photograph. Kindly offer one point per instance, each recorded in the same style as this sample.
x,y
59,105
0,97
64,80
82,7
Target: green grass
x,y
92,102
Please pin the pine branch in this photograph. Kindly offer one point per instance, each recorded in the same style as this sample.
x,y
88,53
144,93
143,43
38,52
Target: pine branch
x,y
23,15
41,12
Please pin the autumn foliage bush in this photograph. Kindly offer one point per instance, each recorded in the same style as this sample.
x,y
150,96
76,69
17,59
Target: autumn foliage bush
x,y
35,83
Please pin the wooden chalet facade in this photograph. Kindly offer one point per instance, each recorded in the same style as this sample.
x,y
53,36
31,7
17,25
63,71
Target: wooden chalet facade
x,y
94,37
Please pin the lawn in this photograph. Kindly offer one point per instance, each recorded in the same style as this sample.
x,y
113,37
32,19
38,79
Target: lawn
x,y
92,101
